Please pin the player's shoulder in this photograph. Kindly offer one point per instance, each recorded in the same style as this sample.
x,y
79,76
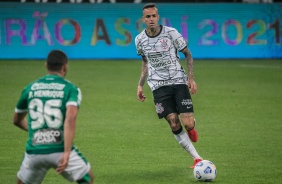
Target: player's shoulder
x,y
167,29
68,82
30,84
68,85
141,35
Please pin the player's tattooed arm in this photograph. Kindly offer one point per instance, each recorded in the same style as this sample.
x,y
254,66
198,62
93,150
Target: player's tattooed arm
x,y
189,61
144,72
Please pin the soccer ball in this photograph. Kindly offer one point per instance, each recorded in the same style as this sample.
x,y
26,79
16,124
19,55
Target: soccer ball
x,y
205,170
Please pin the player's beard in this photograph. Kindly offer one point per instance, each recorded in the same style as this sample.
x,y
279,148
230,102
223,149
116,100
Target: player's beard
x,y
155,28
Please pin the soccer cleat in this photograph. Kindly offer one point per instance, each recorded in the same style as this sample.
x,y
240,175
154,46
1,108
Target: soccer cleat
x,y
193,135
196,160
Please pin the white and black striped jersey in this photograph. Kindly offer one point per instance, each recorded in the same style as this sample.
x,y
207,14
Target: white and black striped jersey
x,y
161,52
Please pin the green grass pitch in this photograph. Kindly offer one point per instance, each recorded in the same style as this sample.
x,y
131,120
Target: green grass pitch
x,y
238,109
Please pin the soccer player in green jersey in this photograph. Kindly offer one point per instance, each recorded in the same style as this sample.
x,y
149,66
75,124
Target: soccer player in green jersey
x,y
51,105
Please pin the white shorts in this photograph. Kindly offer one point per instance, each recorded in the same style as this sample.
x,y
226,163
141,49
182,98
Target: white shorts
x,y
34,167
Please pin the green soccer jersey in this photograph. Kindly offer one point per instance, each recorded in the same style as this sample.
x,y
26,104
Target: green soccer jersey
x,y
46,100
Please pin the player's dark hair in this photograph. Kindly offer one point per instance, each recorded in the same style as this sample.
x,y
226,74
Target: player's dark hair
x,y
149,5
56,60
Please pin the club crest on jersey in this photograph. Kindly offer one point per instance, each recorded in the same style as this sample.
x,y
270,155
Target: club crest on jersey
x,y
164,44
159,108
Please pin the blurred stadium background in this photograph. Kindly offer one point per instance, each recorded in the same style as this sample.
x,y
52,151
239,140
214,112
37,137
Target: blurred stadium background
x,y
213,30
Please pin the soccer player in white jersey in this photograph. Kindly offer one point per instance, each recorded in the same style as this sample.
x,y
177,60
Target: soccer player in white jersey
x,y
51,104
159,46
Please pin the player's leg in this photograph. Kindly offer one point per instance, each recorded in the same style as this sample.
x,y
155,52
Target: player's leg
x,y
174,122
19,181
188,122
87,179
32,169
166,107
181,135
185,107
182,138
78,169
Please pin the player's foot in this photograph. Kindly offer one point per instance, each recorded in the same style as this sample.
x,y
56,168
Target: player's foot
x,y
193,135
195,162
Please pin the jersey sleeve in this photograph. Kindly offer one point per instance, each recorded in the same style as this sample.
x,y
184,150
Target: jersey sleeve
x,y
178,40
75,97
138,46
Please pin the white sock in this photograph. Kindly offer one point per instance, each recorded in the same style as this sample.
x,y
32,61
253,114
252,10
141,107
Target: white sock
x,y
183,139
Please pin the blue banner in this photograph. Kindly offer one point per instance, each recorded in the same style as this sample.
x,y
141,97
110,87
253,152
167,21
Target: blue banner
x,y
107,31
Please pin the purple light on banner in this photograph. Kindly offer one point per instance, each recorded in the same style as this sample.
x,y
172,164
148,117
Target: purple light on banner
x,y
184,27
207,38
58,30
21,32
239,33
58,35
40,23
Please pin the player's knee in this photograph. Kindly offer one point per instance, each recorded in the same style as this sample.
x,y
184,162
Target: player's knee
x,y
175,127
189,125
188,120
173,121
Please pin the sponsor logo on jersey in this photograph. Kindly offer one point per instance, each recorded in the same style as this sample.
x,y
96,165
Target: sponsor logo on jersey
x,y
47,136
52,86
154,55
157,64
171,81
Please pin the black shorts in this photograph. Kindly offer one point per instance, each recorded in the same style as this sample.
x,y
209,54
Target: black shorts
x,y
172,99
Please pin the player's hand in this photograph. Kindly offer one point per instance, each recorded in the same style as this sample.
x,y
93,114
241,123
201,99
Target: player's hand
x,y
63,163
192,86
140,95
